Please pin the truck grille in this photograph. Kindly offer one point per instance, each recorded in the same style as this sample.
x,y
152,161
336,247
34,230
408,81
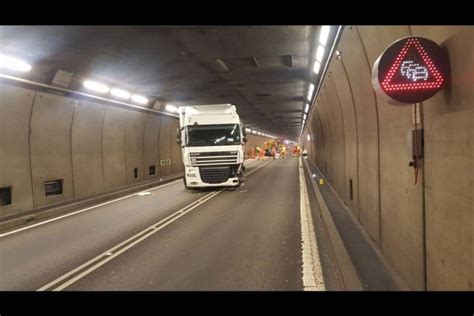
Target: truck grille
x,y
213,158
215,174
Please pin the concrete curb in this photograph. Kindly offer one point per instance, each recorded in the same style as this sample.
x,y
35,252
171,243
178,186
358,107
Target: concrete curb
x,y
396,276
346,268
52,211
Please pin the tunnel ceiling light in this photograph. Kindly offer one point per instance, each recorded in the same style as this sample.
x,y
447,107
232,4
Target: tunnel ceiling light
x,y
316,67
96,86
309,137
171,108
310,91
119,93
323,36
14,64
139,99
304,117
306,108
320,53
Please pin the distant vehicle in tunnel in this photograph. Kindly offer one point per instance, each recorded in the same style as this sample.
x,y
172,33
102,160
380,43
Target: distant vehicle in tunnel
x,y
212,140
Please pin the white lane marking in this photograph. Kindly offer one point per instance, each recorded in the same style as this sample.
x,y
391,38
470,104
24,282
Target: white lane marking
x,y
82,210
144,193
101,204
312,273
110,252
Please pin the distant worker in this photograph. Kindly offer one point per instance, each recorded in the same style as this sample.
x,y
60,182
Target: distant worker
x,y
261,154
283,151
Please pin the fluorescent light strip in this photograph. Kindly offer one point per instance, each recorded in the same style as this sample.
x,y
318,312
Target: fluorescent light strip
x,y
119,93
323,39
96,86
320,53
91,96
323,36
14,64
306,108
139,99
316,67
171,108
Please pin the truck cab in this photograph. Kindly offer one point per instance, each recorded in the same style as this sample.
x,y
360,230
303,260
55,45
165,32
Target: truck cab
x,y
212,140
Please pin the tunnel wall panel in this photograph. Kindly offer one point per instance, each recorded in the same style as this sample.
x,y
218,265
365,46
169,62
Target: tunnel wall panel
x,y
86,142
50,142
134,147
331,128
375,133
113,147
336,117
344,92
449,176
15,112
91,146
150,140
165,145
400,200
358,72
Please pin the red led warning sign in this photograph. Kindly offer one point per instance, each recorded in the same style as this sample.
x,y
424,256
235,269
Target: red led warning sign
x,y
410,70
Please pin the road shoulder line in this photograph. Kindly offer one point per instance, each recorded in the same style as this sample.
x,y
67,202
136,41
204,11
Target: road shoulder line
x,y
347,270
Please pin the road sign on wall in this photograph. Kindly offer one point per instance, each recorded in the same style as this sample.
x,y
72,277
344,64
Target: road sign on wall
x,y
410,70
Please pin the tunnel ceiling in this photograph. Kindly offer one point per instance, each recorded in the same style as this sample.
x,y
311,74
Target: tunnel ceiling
x,y
260,69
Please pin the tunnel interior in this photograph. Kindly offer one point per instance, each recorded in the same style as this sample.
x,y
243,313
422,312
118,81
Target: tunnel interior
x,y
60,143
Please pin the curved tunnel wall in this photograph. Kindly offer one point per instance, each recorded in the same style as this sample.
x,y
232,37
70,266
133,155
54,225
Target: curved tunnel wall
x,y
94,148
425,231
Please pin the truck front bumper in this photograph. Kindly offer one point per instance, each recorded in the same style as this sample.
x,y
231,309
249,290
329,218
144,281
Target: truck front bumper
x,y
194,180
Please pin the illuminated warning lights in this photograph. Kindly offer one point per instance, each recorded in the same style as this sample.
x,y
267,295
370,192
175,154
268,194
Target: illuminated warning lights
x,y
413,71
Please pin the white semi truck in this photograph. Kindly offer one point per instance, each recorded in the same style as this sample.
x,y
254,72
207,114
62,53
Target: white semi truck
x,y
212,140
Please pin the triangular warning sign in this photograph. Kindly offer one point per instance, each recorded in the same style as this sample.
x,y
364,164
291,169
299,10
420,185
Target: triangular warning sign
x,y
412,70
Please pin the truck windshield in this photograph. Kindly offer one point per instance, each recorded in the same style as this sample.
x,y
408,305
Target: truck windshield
x,y
213,135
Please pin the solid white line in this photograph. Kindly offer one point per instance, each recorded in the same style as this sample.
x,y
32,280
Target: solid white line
x,y
101,263
109,254
312,273
83,210
111,250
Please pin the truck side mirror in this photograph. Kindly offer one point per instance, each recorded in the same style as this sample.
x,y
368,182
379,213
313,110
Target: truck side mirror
x,y
178,137
245,139
244,130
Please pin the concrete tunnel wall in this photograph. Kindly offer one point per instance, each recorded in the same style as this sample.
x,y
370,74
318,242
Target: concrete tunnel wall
x,y
93,147
355,136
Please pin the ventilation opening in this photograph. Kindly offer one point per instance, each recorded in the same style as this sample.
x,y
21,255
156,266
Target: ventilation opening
x,y
6,196
54,187
151,170
350,189
135,173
